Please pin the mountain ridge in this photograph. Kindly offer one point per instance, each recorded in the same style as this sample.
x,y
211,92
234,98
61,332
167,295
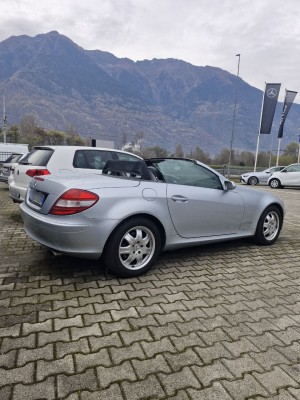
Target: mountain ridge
x,y
167,101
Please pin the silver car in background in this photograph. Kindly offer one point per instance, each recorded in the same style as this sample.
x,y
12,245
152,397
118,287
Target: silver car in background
x,y
255,178
135,209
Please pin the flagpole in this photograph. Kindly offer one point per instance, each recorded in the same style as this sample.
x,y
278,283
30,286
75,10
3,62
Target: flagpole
x,y
233,119
278,151
258,137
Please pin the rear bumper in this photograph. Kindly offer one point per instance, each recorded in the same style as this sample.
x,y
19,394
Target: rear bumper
x,y
17,193
72,235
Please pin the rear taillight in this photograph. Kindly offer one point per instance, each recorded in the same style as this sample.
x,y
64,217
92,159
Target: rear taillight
x,y
37,172
74,201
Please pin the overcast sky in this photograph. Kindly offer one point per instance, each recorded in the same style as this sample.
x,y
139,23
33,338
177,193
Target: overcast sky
x,y
203,32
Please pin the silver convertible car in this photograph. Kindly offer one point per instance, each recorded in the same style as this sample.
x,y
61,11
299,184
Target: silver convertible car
x,y
136,209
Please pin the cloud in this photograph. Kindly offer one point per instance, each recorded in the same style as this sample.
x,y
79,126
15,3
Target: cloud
x,y
203,32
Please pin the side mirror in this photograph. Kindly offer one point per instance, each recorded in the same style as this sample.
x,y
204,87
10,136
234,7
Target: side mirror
x,y
229,185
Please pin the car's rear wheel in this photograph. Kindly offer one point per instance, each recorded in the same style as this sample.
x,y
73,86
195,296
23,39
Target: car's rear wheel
x,y
269,226
275,183
133,248
252,180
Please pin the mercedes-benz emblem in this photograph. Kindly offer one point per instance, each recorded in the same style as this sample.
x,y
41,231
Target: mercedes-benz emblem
x,y
272,92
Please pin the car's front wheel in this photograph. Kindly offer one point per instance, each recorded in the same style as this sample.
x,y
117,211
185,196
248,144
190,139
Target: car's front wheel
x,y
133,247
269,226
252,180
275,183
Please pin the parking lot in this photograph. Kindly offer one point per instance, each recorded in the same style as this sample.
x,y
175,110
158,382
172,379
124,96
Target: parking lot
x,y
214,322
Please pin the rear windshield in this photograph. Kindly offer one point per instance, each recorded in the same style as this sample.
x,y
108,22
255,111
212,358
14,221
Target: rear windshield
x,y
38,157
13,158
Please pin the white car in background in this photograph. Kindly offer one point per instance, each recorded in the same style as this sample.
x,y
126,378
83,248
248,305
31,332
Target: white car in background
x,y
46,160
289,176
254,178
9,164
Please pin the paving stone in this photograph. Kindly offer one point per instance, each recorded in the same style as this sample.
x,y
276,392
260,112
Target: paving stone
x,y
147,389
5,392
67,322
118,326
207,374
134,351
8,360
113,392
90,360
77,382
112,340
182,359
245,388
157,347
26,355
27,342
211,337
36,391
215,392
23,374
244,345
46,315
184,379
45,326
52,337
63,365
276,379
85,331
119,373
135,336
90,319
143,368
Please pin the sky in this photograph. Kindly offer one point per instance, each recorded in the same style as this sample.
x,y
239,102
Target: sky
x,y
202,32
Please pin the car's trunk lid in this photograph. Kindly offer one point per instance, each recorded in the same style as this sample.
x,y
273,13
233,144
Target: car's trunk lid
x,y
43,192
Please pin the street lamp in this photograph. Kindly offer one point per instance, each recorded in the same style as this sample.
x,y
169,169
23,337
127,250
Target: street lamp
x,y
233,119
299,151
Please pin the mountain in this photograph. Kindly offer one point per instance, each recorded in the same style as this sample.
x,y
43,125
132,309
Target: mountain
x,y
167,101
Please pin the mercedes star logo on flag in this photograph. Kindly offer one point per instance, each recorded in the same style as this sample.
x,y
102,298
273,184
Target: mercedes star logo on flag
x,y
272,92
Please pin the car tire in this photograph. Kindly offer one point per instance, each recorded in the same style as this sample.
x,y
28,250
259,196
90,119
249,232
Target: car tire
x,y
252,181
133,248
269,226
275,183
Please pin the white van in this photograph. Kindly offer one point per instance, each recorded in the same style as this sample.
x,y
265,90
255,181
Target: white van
x,y
7,149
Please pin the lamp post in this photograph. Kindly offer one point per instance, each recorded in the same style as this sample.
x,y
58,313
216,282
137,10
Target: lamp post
x,y
233,119
299,151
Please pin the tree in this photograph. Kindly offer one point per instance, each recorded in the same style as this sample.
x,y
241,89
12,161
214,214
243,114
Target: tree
x,y
154,151
13,134
292,150
27,125
198,154
179,151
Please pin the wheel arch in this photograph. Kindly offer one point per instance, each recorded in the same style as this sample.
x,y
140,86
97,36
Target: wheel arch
x,y
280,209
150,217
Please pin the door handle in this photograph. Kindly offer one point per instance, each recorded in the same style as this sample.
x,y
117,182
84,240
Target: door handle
x,y
179,199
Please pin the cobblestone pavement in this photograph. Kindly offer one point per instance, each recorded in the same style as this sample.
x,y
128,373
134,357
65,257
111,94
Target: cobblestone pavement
x,y
214,322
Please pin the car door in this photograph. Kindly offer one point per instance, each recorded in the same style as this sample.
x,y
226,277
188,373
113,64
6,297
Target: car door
x,y
291,175
199,206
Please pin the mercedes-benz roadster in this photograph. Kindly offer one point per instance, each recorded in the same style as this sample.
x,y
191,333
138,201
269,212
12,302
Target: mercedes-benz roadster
x,y
136,209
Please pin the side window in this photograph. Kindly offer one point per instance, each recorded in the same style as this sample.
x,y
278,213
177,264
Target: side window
x,y
293,168
91,159
126,157
202,177
188,173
